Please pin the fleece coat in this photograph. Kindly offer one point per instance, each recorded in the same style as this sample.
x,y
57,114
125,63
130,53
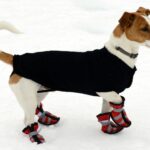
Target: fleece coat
x,y
83,72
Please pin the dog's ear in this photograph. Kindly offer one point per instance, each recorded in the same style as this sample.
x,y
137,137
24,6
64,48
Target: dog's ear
x,y
127,20
143,11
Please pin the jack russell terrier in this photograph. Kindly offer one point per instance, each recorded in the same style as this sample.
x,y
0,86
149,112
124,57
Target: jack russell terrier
x,y
103,72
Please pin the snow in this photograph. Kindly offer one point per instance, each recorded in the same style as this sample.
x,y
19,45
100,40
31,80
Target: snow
x,y
72,25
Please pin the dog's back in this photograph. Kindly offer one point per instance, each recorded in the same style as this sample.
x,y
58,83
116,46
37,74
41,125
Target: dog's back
x,y
83,72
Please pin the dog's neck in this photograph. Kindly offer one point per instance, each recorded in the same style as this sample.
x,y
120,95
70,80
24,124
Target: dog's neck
x,y
129,46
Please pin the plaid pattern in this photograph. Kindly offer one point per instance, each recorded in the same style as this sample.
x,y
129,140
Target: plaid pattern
x,y
108,126
45,117
33,133
119,115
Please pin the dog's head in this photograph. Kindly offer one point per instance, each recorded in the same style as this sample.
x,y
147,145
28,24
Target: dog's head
x,y
136,26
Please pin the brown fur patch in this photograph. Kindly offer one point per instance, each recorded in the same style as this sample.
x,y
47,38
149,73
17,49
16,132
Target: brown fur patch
x,y
135,27
118,31
7,58
14,79
139,31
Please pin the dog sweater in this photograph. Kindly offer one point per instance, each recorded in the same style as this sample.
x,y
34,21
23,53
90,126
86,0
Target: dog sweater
x,y
83,72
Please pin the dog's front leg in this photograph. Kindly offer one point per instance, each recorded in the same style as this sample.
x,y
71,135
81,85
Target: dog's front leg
x,y
113,108
106,107
26,93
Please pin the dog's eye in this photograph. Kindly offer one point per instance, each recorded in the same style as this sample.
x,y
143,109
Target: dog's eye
x,y
145,29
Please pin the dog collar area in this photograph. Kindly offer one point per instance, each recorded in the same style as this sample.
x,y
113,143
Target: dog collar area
x,y
131,55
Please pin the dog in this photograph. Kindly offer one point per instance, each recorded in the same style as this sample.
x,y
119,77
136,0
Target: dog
x,y
102,72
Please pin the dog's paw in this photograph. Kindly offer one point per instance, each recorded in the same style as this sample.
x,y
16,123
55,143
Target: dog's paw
x,y
48,119
45,117
34,136
37,138
107,125
111,128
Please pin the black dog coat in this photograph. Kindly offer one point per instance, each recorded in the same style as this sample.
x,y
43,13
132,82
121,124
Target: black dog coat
x,y
84,72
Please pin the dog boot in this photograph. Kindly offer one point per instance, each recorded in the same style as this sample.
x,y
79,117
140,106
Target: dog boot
x,y
118,114
108,126
45,117
33,134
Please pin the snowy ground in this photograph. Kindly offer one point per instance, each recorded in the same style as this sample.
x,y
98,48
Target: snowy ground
x,y
71,25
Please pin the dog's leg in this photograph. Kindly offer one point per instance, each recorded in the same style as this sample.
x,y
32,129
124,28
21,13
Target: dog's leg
x,y
111,96
118,113
112,107
45,117
26,93
41,96
106,107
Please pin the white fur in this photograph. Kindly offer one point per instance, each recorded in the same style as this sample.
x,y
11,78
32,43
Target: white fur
x,y
110,96
127,45
147,43
26,93
106,107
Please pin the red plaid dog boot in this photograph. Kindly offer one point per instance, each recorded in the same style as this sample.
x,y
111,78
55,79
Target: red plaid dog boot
x,y
33,134
108,126
118,114
45,117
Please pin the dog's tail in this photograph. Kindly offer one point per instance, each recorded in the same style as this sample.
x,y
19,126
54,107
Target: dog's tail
x,y
8,26
6,58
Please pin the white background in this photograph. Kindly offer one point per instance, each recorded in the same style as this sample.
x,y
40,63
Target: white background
x,y
73,25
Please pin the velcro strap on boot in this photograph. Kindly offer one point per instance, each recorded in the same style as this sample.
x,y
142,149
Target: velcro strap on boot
x,y
31,134
118,110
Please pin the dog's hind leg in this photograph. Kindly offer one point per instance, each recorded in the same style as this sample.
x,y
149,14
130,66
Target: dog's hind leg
x,y
25,91
45,117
